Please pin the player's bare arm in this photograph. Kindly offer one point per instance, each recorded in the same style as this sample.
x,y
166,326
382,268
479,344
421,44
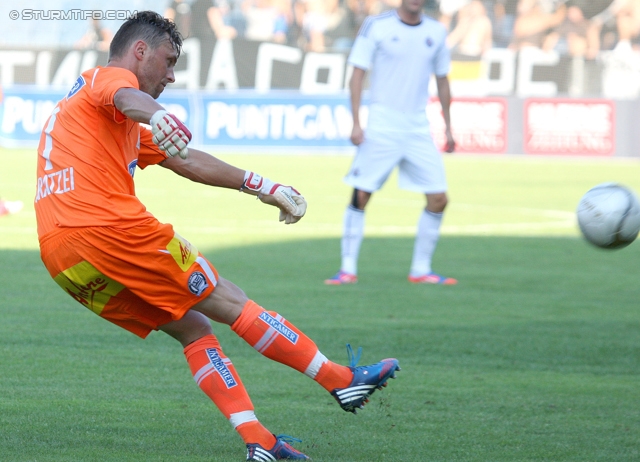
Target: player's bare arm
x,y
204,168
136,104
444,94
207,169
355,87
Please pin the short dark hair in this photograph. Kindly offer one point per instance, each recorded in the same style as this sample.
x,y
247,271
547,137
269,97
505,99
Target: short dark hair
x,y
148,26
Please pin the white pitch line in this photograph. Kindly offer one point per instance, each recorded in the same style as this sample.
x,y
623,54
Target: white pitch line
x,y
319,229
562,220
18,230
418,204
522,210
491,228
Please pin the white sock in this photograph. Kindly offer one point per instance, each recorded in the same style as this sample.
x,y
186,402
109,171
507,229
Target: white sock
x,y
426,241
352,235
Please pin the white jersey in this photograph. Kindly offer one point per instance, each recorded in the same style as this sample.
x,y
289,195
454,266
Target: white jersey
x,y
401,58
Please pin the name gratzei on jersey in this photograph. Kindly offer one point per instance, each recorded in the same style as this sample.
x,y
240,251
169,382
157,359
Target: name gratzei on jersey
x,y
59,182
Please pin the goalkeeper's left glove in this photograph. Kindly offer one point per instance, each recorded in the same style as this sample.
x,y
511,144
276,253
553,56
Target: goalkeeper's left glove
x,y
169,134
290,202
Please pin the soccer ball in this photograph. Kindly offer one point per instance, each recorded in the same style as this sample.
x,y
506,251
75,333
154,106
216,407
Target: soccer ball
x,y
609,216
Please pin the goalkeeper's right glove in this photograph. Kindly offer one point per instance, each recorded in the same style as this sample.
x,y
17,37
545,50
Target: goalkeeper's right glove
x,y
169,134
290,202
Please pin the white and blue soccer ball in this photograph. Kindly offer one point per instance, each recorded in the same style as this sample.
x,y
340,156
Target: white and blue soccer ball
x,y
609,216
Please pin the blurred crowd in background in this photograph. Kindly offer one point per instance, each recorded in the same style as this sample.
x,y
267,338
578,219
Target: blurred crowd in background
x,y
574,27
314,25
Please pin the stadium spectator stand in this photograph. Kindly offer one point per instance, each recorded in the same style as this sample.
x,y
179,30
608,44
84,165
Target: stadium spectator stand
x,y
267,20
567,26
502,14
473,34
534,21
97,37
572,35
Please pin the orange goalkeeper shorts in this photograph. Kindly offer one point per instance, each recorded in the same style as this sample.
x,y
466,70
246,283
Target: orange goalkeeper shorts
x,y
138,278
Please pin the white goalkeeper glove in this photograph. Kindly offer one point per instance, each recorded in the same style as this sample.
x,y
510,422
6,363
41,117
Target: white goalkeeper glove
x,y
290,202
169,134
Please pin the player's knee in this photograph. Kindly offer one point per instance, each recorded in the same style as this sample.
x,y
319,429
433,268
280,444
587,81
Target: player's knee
x,y
191,327
436,203
359,199
224,304
354,199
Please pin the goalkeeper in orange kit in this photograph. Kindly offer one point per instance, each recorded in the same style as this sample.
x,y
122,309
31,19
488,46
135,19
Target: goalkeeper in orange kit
x,y
103,248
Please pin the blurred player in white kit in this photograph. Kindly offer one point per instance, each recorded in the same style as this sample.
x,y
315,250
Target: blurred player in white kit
x,y
402,48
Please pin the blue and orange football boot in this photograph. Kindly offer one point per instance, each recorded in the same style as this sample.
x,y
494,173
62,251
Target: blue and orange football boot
x,y
366,380
282,450
341,278
432,278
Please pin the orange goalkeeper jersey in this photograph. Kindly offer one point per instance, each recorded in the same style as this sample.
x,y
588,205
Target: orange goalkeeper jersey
x,y
88,155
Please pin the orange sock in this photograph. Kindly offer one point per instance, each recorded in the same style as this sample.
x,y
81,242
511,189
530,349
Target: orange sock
x,y
215,375
332,375
279,340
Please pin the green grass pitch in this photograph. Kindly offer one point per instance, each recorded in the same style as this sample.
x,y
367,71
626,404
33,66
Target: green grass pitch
x,y
533,356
